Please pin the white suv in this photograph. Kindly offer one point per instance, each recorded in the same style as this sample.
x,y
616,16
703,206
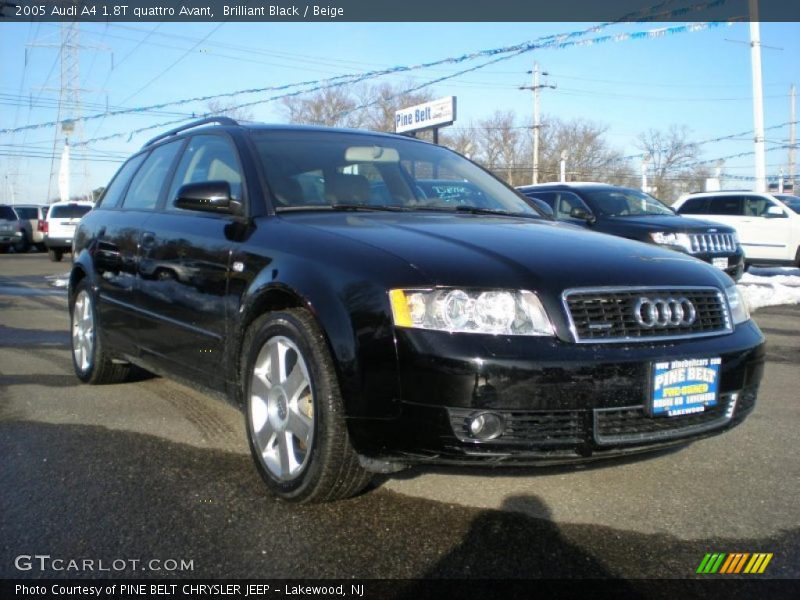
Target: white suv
x,y
768,228
60,226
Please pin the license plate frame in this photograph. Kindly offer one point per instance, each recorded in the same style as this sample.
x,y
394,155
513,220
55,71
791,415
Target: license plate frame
x,y
683,386
720,263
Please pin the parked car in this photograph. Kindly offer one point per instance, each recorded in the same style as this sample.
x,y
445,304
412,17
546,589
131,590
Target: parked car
x,y
360,337
12,230
59,226
632,214
769,229
33,216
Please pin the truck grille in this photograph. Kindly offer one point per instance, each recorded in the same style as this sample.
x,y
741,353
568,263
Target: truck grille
x,y
538,428
610,315
712,243
633,424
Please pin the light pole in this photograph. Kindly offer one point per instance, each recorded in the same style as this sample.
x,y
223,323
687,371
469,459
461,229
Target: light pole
x,y
563,166
758,99
645,162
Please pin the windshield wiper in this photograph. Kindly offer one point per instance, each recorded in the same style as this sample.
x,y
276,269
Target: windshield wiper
x,y
475,210
375,207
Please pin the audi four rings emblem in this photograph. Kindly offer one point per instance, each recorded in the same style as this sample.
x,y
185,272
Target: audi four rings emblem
x,y
664,312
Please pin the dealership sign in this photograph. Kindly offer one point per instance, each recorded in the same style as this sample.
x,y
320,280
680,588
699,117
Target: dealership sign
x,y
433,114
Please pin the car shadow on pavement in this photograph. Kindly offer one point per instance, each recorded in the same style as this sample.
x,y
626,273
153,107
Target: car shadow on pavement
x,y
79,491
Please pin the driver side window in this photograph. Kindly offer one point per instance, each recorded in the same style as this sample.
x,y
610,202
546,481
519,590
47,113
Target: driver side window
x,y
207,158
565,202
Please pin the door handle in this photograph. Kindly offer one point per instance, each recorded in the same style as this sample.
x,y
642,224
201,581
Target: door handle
x,y
148,239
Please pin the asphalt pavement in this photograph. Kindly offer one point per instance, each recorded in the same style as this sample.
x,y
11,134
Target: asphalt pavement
x,y
152,470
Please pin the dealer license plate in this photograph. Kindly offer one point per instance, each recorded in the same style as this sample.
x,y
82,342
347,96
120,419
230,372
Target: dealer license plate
x,y
684,387
720,263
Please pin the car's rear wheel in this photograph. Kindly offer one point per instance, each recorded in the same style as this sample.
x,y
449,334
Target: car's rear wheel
x,y
55,255
91,361
294,412
22,246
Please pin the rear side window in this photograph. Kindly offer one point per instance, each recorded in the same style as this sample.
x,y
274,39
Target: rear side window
x,y
117,187
27,213
149,181
693,206
7,214
726,205
208,158
69,211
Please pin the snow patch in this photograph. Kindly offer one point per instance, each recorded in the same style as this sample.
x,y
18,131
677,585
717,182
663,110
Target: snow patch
x,y
771,286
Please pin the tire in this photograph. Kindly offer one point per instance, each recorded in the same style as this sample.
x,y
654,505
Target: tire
x,y
22,246
41,247
296,427
3,249
797,258
90,359
55,255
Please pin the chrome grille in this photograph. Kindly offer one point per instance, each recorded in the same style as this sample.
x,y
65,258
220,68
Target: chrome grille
x,y
712,243
607,315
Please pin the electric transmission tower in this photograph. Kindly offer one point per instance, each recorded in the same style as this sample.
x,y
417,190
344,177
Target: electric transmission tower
x,y
70,93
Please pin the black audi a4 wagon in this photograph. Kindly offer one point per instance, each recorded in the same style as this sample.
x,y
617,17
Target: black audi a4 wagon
x,y
364,326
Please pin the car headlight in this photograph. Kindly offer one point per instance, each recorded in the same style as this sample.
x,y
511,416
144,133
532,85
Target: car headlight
x,y
498,312
681,240
740,311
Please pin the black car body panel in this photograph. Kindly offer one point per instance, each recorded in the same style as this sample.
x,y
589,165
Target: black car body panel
x,y
640,227
178,289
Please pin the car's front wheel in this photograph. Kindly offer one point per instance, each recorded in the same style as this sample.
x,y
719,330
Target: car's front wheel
x,y
90,359
294,411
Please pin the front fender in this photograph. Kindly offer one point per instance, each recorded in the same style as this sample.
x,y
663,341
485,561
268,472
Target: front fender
x,y
354,316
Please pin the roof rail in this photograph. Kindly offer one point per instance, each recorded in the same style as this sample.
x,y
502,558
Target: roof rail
x,y
177,130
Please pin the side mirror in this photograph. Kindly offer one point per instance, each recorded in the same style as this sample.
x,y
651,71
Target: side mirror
x,y
774,212
582,214
208,196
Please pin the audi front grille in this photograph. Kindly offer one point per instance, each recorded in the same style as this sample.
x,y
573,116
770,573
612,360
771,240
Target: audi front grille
x,y
616,315
712,243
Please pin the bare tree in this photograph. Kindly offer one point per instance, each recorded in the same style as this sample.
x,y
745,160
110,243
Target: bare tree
x,y
501,145
460,139
331,106
229,109
672,162
588,155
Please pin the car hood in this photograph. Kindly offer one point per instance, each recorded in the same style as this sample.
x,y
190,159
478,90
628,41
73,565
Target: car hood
x,y
507,252
671,224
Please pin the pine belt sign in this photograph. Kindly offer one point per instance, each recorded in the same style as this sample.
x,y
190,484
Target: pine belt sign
x,y
429,115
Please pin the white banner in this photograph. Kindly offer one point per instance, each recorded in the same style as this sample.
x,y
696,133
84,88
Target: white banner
x,y
63,175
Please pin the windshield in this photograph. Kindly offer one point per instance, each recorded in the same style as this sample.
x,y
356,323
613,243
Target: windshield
x,y
323,169
7,214
618,202
792,202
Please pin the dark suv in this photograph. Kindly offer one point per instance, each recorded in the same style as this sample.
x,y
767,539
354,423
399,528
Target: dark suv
x,y
632,214
364,326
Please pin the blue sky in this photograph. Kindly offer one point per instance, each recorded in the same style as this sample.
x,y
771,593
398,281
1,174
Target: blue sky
x,y
698,79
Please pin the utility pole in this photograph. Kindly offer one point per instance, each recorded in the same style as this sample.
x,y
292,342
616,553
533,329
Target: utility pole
x,y
535,87
758,99
792,135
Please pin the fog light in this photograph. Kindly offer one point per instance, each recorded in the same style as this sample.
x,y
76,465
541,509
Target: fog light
x,y
486,426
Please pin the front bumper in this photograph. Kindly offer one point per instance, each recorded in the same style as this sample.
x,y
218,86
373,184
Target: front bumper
x,y
561,402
